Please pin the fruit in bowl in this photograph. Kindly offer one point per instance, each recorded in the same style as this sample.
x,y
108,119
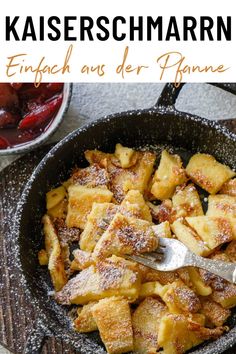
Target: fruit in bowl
x,y
27,112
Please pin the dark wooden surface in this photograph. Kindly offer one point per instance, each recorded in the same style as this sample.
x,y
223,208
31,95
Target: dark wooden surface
x,y
17,316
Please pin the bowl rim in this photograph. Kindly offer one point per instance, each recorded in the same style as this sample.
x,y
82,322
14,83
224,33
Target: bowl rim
x,y
67,94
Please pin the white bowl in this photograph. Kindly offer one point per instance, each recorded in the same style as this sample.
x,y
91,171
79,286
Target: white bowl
x,y
67,92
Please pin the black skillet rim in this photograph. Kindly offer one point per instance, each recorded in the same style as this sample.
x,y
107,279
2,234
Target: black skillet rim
x,y
224,342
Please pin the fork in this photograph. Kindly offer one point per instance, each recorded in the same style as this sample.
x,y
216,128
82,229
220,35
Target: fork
x,y
172,254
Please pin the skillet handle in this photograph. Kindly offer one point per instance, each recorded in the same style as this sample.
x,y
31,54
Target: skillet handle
x,y
36,338
229,87
170,93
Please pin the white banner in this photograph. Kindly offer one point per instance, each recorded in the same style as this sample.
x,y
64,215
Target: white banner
x,y
124,41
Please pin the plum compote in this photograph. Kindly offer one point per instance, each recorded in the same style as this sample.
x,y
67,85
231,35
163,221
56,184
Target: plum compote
x,y
27,111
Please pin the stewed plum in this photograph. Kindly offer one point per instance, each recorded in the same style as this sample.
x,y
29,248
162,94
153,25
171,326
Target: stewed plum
x,y
27,111
8,96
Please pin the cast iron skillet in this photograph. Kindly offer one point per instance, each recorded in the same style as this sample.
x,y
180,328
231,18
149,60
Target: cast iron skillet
x,y
159,125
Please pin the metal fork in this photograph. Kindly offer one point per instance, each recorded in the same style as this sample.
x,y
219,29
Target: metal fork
x,y
172,254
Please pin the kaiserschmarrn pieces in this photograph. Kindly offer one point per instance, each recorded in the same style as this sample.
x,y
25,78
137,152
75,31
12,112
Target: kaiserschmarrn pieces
x,y
174,334
179,298
110,277
231,251
43,257
57,203
190,238
162,229
80,202
53,249
122,180
223,205
186,202
225,296
146,321
229,188
59,211
126,156
134,205
120,204
151,275
215,314
113,318
208,173
126,235
170,173
178,333
82,260
198,284
98,221
55,196
91,177
152,288
84,321
214,231
101,215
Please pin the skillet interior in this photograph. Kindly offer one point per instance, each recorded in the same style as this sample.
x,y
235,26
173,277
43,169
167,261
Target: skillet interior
x,y
155,127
